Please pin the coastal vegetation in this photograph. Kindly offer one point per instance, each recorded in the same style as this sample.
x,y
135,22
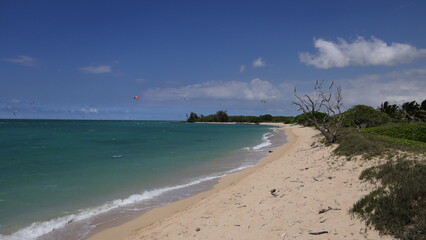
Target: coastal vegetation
x,y
222,116
362,116
397,205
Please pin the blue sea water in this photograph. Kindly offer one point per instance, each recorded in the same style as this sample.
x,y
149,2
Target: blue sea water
x,y
60,179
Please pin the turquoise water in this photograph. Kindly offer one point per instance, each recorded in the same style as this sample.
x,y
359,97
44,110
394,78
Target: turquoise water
x,y
59,173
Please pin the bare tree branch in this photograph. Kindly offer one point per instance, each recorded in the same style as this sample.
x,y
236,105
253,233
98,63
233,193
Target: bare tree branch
x,y
330,103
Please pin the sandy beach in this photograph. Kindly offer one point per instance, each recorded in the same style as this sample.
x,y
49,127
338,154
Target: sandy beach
x,y
297,191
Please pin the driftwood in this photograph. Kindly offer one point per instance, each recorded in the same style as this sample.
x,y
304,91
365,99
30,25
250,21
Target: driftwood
x,y
327,209
318,233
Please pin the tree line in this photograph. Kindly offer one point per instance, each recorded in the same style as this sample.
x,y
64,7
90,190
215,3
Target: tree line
x,y
222,116
359,116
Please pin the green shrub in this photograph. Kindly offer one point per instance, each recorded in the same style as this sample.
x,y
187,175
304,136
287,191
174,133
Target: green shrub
x,y
221,116
237,118
266,118
362,116
304,118
208,118
353,143
398,206
193,117
283,119
415,132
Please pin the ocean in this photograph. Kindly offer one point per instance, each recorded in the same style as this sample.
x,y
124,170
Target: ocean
x,y
61,179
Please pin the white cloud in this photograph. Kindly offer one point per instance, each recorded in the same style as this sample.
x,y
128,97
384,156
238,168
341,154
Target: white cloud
x,y
14,101
254,90
395,87
140,80
360,52
89,110
21,60
242,68
96,69
259,63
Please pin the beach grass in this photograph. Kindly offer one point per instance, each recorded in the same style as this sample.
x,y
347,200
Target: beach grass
x,y
398,205
353,143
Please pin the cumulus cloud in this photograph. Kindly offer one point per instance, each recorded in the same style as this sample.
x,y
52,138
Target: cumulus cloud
x,y
22,60
395,87
89,110
259,63
96,69
360,52
235,90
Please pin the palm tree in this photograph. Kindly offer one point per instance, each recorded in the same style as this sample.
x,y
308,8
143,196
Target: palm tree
x,y
412,112
423,105
389,109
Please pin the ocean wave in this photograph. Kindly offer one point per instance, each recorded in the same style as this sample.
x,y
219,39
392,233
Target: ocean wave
x,y
38,229
265,142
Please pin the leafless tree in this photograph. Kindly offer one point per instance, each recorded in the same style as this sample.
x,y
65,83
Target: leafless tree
x,y
328,102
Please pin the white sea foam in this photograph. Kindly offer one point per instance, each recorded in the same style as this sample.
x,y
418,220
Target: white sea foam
x,y
265,142
38,229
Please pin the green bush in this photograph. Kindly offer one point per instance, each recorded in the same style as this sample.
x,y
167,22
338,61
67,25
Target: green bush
x,y
362,116
283,119
221,116
266,118
353,143
237,118
415,132
208,118
304,118
398,206
193,117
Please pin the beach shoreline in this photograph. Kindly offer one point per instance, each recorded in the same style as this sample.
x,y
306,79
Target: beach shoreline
x,y
273,199
162,212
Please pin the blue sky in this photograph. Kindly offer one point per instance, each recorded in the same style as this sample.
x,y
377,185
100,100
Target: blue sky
x,y
88,59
